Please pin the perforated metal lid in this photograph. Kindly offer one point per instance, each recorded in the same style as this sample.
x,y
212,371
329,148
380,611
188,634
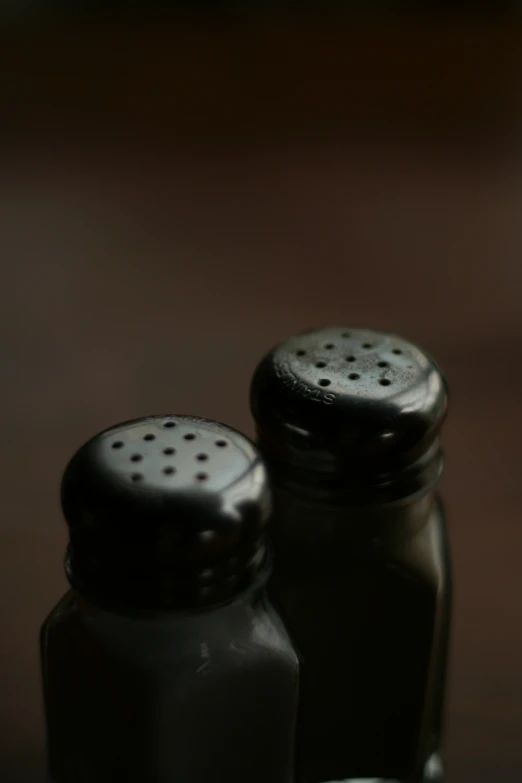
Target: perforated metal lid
x,y
165,511
361,405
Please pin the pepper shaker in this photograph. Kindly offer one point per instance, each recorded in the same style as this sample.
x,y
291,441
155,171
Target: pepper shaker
x,y
348,421
165,661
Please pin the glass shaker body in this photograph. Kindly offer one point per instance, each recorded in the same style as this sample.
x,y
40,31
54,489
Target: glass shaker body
x,y
369,615
169,696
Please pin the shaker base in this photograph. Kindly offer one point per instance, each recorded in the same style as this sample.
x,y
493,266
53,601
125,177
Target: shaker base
x,y
433,773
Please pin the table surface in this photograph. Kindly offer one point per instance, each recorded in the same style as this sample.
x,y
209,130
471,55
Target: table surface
x,y
151,282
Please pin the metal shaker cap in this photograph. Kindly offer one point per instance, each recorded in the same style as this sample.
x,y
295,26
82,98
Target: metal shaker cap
x,y
359,408
165,512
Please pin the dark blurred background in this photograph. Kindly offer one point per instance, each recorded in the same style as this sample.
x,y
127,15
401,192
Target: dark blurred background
x,y
180,190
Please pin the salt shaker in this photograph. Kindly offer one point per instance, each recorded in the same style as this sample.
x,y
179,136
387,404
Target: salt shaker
x,y
165,661
348,420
